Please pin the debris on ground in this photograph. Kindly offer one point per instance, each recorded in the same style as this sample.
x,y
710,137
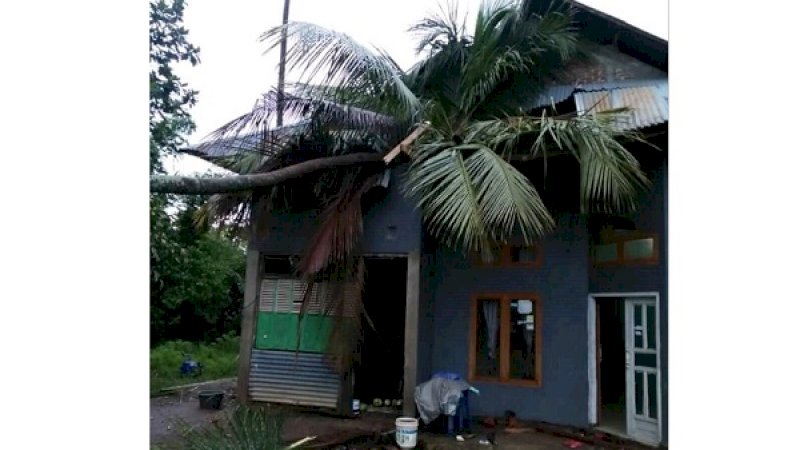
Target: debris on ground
x,y
489,439
301,442
511,419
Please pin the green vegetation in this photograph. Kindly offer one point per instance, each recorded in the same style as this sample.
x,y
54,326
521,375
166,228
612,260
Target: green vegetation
x,y
246,428
196,277
219,360
196,272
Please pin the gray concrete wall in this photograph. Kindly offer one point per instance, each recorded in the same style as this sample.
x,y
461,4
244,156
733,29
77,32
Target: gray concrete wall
x,y
562,285
391,225
652,216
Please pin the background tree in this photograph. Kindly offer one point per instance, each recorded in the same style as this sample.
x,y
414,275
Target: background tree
x,y
195,271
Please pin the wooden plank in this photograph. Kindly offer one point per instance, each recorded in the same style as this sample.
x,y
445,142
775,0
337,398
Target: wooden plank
x,y
473,338
598,360
505,338
538,335
403,146
411,333
194,385
249,310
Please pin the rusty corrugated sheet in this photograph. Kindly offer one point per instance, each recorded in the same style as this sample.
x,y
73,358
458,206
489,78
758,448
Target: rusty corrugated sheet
x,y
648,105
293,378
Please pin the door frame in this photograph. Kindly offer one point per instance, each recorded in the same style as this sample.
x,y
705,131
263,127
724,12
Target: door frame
x,y
591,322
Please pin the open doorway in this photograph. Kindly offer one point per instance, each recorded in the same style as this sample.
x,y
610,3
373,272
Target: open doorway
x,y
611,364
379,375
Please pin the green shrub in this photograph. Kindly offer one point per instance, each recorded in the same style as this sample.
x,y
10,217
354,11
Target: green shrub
x,y
219,360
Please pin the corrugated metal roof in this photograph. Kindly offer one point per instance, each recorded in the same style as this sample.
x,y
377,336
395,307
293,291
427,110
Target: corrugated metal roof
x,y
648,104
558,93
550,96
293,378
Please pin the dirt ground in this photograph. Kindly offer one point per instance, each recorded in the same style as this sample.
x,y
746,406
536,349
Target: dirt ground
x,y
169,413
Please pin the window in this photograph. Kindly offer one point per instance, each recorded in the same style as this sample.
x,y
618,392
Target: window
x,y
513,255
525,255
505,339
629,248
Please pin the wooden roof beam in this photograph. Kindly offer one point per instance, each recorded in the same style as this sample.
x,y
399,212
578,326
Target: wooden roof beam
x,y
405,144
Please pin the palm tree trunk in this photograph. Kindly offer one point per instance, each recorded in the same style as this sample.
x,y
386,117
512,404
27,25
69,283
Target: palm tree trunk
x,y
237,183
282,63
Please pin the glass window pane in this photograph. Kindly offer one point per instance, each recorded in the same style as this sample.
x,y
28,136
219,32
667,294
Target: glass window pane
x,y
638,332
652,396
638,387
645,359
605,253
651,326
638,249
523,254
488,338
523,339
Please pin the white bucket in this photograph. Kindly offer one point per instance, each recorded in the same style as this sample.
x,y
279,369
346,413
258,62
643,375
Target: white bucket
x,y
406,432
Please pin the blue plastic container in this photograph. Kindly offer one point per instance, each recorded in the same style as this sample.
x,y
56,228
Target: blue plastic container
x,y
460,421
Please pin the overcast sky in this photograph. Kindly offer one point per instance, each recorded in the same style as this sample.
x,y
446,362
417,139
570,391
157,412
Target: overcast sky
x,y
234,70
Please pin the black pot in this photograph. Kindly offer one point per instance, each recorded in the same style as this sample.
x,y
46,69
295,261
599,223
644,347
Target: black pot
x,y
211,399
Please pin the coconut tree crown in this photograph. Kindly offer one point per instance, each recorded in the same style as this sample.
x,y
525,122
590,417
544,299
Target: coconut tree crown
x,y
472,88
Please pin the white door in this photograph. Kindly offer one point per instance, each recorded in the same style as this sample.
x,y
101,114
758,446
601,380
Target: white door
x,y
642,370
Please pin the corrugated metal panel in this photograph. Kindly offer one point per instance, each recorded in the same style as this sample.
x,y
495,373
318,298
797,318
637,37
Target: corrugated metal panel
x,y
293,378
620,84
649,105
559,93
550,96
285,295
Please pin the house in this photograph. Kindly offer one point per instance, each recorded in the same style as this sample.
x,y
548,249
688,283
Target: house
x,y
572,330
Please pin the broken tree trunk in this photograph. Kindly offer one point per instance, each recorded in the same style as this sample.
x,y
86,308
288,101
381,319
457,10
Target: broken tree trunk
x,y
237,183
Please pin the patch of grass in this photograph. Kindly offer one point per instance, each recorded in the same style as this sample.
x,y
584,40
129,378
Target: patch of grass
x,y
219,360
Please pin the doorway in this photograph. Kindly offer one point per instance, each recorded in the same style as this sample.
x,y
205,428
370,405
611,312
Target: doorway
x,y
379,374
611,364
624,365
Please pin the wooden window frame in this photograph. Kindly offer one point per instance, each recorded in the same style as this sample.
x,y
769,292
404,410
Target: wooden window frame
x,y
537,263
620,241
505,257
505,339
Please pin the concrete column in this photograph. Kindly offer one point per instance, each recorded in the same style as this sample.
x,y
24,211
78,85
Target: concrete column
x,y
411,332
249,311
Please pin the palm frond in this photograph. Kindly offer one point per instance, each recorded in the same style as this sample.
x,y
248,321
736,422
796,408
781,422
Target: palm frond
x,y
611,177
335,59
509,200
512,41
470,197
229,211
338,289
340,225
440,29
